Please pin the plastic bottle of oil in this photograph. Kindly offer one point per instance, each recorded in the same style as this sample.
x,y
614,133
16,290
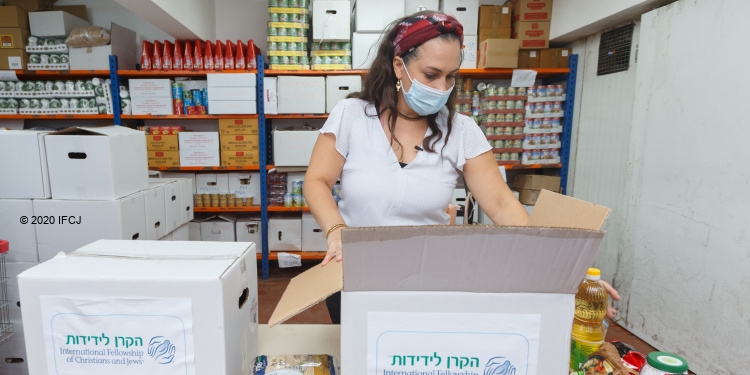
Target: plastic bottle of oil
x,y
588,328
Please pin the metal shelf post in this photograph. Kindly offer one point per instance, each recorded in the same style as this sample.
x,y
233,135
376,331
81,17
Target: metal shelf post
x,y
570,93
115,90
263,170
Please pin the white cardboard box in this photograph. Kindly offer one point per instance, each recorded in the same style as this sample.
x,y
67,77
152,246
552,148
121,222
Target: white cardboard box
x,y
293,148
232,107
26,176
284,233
245,185
231,80
173,175
156,212
151,106
21,237
412,6
199,301
492,294
200,158
172,201
233,93
98,163
198,140
150,88
87,221
270,99
376,15
182,233
470,52
364,49
313,238
248,230
302,94
465,11
122,44
186,197
338,87
331,20
54,23
218,228
212,183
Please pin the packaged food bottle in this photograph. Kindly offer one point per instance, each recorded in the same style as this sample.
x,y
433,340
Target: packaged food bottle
x,y
588,328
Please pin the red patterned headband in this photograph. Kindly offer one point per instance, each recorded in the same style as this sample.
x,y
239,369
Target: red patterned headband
x,y
418,29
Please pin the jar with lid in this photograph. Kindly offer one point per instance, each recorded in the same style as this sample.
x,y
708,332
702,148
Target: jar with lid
x,y
661,363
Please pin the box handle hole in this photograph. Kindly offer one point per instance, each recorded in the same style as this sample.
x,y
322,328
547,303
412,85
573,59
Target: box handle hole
x,y
331,12
14,360
243,297
157,224
135,236
343,88
318,230
174,198
279,235
77,155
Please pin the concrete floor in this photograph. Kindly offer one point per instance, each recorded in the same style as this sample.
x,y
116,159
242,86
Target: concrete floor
x,y
270,291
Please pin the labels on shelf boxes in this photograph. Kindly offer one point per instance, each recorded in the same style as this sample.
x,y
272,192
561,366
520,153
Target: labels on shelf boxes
x,y
541,141
161,158
240,158
238,126
239,142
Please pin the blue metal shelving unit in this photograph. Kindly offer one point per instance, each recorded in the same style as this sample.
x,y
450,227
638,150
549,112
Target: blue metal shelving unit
x,y
263,169
115,90
570,94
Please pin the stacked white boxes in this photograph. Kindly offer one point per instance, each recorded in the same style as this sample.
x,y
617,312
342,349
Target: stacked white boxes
x,y
151,96
199,149
232,93
331,35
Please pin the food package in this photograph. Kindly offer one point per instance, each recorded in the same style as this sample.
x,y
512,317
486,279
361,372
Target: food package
x,y
88,36
219,56
177,59
318,364
605,361
166,56
187,57
157,58
198,55
229,56
208,56
147,51
239,56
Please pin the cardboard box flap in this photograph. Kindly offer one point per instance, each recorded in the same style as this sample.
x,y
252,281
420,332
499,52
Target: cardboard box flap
x,y
485,259
123,37
108,131
307,289
556,210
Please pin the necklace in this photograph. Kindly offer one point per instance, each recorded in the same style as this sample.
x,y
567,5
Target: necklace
x,y
409,118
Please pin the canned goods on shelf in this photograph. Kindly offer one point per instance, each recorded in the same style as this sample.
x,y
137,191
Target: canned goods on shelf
x,y
521,91
550,90
502,91
489,131
293,3
518,130
518,117
547,107
555,122
500,104
508,143
559,90
517,143
288,200
539,107
557,107
541,91
497,155
510,104
512,91
544,139
499,131
508,130
272,31
505,156
509,117
531,92
498,143
519,104
514,155
491,117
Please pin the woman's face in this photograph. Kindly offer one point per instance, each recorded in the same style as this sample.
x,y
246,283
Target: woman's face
x,y
436,64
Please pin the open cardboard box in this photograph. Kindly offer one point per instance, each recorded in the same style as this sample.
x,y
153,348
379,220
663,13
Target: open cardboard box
x,y
454,299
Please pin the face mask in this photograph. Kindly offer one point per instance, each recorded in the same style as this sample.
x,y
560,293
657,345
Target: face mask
x,y
424,99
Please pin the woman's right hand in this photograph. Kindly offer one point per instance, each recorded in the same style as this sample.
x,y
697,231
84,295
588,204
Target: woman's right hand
x,y
334,247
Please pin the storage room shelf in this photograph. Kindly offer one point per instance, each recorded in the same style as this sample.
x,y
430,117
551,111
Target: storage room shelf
x,y
227,209
305,255
297,116
287,209
531,166
49,74
56,117
183,117
271,73
175,73
219,169
508,73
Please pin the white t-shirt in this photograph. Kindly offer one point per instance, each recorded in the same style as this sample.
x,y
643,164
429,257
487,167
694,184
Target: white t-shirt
x,y
375,190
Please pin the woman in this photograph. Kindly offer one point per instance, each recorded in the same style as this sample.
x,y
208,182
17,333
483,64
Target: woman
x,y
398,146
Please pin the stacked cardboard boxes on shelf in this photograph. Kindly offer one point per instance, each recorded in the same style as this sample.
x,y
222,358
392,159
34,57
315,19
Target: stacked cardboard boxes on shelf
x,y
162,146
239,142
14,33
287,35
151,96
199,149
232,93
331,35
51,27
531,22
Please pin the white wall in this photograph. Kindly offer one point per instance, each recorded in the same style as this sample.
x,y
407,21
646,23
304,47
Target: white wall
x,y
575,19
243,20
194,15
688,225
600,152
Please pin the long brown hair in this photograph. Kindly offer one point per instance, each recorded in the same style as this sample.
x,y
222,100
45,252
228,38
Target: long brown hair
x,y
379,85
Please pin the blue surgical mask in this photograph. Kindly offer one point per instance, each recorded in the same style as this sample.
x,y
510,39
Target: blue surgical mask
x,y
423,99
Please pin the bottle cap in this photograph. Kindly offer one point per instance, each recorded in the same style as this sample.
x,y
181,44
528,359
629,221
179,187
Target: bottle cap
x,y
667,362
593,274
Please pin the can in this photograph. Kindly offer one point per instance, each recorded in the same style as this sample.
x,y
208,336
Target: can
x,y
499,130
491,90
64,103
346,46
297,186
505,156
281,31
293,3
512,91
64,59
284,60
518,130
319,60
541,91
517,143
508,143
509,117
551,92
537,123
291,31
294,60
514,155
325,46
197,96
555,122
489,131
547,107
274,17
274,60
34,103
38,86
531,92
272,31
297,200
283,46
336,60
491,117
4,103
283,17
557,107
510,104
54,59
303,4
554,139
539,107
535,154
288,200
502,91
283,3
500,104
466,108
518,117
10,86
497,156
521,91
519,104
559,90
273,3
24,103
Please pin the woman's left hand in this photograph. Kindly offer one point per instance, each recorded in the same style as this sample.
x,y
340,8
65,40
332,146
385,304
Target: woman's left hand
x,y
612,293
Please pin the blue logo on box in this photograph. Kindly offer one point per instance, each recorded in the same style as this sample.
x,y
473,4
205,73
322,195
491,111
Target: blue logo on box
x,y
161,350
